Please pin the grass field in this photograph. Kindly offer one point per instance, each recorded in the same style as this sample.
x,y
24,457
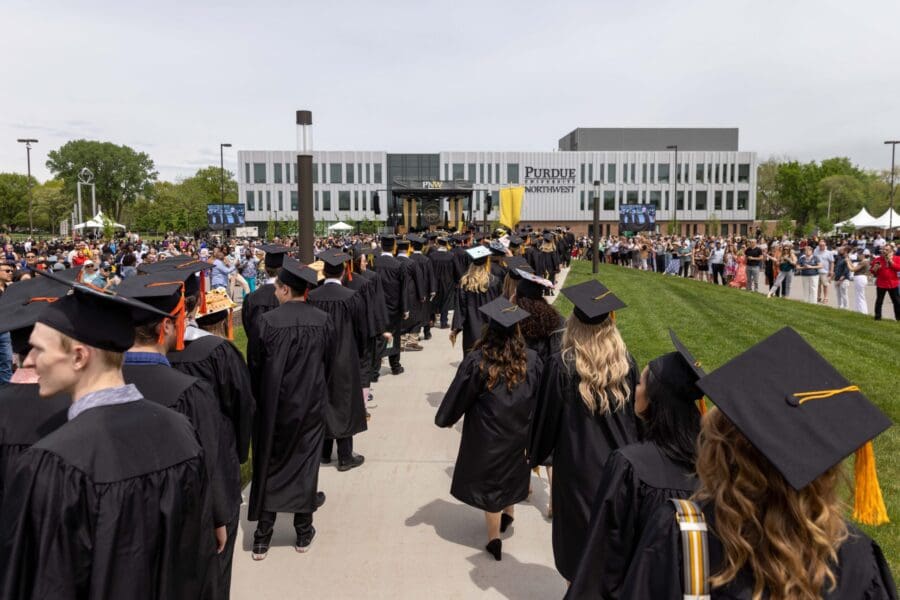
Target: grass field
x,y
718,323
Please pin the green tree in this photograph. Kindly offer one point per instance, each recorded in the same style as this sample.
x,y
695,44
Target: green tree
x,y
121,175
51,205
769,203
797,185
13,200
840,197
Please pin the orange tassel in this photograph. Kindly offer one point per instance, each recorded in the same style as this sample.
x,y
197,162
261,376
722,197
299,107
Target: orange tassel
x,y
230,324
701,406
868,502
178,313
202,292
350,271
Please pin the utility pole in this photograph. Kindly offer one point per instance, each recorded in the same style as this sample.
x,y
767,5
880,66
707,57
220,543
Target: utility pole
x,y
306,224
222,186
28,142
893,144
675,180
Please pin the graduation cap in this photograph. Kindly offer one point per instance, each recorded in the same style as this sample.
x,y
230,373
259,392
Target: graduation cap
x,y
593,301
274,255
497,249
147,268
416,239
165,291
387,241
679,371
334,261
548,237
360,249
503,313
430,235
219,306
517,262
94,317
478,253
530,285
802,415
402,245
22,303
515,241
296,275
443,241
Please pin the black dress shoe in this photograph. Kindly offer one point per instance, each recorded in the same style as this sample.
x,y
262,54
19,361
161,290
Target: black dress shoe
x,y
353,462
373,379
427,336
320,499
259,551
397,371
305,541
505,521
494,547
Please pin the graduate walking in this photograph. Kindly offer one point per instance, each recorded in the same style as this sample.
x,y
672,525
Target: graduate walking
x,y
476,289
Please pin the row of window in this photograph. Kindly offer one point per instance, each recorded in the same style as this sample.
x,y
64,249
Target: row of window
x,y
324,173
659,173
262,200
486,172
696,199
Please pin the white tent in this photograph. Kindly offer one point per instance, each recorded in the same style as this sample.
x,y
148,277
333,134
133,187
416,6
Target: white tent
x,y
340,226
862,220
885,221
97,223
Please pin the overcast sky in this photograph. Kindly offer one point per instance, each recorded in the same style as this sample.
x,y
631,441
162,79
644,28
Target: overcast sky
x,y
807,79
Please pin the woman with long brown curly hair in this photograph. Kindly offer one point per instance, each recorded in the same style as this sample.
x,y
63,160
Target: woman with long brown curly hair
x,y
584,412
494,388
769,501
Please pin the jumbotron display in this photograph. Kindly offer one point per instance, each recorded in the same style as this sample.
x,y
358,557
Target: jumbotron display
x,y
225,216
637,217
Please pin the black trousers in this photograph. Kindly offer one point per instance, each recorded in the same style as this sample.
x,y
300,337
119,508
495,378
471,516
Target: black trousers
x,y
266,524
345,449
718,273
685,268
879,300
226,559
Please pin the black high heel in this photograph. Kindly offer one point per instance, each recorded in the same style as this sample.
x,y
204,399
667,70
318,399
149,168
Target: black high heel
x,y
505,521
494,547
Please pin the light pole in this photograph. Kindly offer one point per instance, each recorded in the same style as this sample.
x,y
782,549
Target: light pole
x,y
305,237
595,239
893,144
28,142
488,200
675,181
222,172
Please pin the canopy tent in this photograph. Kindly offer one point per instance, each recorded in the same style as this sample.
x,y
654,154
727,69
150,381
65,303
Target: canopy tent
x,y
885,221
97,223
862,220
340,226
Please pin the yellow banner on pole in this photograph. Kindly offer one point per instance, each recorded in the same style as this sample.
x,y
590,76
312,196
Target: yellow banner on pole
x,y
511,206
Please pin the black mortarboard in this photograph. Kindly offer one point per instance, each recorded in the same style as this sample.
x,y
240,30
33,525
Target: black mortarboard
x,y
515,241
796,409
334,257
170,263
503,313
678,371
23,302
387,241
99,319
275,254
297,276
415,239
517,262
548,237
402,245
530,285
162,290
593,301
443,241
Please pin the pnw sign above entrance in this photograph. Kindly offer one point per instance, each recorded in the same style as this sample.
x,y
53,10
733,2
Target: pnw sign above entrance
x,y
549,181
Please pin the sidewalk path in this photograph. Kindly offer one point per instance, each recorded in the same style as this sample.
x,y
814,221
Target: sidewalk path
x,y
390,529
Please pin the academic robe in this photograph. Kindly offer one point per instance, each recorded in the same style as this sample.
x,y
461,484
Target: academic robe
x,y
295,357
461,261
25,418
415,293
193,398
443,266
429,286
545,264
255,305
636,481
394,285
364,284
581,443
113,504
656,569
467,318
345,413
547,345
491,470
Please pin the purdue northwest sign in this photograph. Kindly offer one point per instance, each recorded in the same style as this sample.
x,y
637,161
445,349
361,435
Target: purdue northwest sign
x,y
549,181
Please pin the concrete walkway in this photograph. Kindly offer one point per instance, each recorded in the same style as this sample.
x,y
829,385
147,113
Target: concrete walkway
x,y
390,529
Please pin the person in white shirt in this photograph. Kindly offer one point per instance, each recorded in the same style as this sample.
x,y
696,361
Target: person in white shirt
x,y
826,270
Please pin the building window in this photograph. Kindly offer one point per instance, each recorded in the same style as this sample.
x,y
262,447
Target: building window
x,y
268,200
729,200
582,193
644,172
724,231
481,173
365,195
611,173
326,201
633,170
246,172
359,172
251,205
655,198
590,200
743,173
335,175
744,229
343,200
497,171
294,200
690,197
259,172
582,172
377,168
699,172
679,200
666,198
277,172
700,200
280,200
368,173
315,173
632,196
512,173
317,202
458,172
470,173
716,175
355,200
717,202
609,200
663,170
743,199
350,173
590,178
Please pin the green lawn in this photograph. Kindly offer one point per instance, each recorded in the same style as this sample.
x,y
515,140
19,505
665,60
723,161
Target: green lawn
x,y
717,323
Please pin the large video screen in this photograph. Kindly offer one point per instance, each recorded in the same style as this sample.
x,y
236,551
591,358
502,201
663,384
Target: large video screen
x,y
637,217
225,216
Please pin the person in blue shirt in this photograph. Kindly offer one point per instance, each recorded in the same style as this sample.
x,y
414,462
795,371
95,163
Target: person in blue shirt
x,y
222,269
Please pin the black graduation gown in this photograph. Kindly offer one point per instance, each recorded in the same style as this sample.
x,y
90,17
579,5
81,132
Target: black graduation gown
x,y
112,504
461,261
581,443
345,413
415,293
291,385
364,284
545,264
547,345
656,569
491,468
255,305
429,285
444,268
25,418
636,481
467,318
194,398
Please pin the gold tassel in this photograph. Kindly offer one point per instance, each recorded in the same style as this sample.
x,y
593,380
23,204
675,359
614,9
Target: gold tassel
x,y
868,503
701,406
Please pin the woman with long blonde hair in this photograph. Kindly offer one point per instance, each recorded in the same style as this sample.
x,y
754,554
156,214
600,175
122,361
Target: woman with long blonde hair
x,y
770,496
476,288
584,412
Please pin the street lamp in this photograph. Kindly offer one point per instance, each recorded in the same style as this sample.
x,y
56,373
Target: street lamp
x,y
222,172
893,144
305,237
675,181
28,142
595,239
488,206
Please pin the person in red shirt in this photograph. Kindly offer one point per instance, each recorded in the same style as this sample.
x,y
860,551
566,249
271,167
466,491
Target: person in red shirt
x,y
885,268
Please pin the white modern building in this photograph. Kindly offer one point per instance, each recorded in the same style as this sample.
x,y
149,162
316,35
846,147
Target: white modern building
x,y
711,181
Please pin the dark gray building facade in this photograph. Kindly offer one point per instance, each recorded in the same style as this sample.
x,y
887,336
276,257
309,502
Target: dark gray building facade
x,y
650,139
